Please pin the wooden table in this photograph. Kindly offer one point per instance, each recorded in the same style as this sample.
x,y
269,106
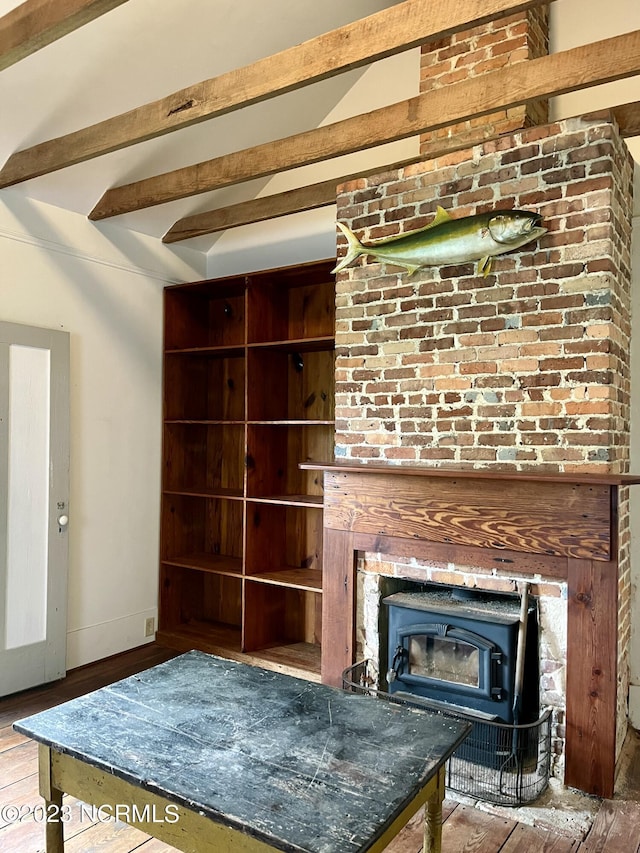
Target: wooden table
x,y
212,755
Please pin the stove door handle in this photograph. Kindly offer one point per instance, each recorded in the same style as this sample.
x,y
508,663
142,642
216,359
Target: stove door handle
x,y
396,664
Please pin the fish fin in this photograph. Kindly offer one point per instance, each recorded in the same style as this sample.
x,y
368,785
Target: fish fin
x,y
354,249
484,265
440,217
410,268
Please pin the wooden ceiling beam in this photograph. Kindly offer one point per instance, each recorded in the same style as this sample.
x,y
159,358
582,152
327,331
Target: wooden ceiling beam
x,y
383,34
324,193
570,70
255,210
37,23
267,207
628,118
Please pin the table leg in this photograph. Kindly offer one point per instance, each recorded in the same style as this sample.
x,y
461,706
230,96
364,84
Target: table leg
x,y
54,833
53,802
433,817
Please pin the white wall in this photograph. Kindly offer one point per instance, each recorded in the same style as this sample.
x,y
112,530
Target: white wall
x,y
104,286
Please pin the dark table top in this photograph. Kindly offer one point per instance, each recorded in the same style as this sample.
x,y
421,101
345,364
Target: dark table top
x,y
299,765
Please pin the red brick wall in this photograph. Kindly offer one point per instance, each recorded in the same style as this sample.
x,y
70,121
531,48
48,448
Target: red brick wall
x,y
528,367
499,44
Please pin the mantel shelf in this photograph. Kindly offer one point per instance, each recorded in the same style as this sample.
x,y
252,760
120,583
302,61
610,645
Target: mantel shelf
x,y
582,477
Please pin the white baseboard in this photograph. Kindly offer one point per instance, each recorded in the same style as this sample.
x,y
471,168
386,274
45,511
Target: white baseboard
x,y
108,638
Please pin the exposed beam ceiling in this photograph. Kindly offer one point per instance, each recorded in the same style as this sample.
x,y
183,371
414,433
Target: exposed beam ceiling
x,y
323,194
578,68
64,87
383,34
37,23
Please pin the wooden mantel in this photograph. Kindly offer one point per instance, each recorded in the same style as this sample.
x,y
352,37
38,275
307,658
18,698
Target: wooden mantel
x,y
558,526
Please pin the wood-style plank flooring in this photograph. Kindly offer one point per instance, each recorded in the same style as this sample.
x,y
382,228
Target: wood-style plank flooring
x,y
616,828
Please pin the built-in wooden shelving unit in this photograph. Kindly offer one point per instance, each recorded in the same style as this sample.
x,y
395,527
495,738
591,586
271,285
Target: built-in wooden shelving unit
x,y
248,396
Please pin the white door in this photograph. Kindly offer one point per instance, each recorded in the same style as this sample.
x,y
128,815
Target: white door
x,y
34,505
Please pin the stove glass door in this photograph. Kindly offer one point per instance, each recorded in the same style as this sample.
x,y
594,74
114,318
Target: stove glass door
x,y
445,659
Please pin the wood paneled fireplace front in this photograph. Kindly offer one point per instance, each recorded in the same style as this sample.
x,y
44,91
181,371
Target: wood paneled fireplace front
x,y
554,526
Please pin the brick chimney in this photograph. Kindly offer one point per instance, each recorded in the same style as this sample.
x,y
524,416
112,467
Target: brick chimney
x,y
527,368
477,51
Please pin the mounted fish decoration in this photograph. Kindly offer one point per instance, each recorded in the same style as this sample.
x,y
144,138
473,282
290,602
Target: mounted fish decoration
x,y
451,241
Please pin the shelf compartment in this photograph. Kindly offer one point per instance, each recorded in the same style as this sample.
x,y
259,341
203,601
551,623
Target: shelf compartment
x,y
215,563
204,386
301,660
280,616
204,458
207,636
274,453
284,542
291,304
198,528
290,384
309,579
198,601
205,314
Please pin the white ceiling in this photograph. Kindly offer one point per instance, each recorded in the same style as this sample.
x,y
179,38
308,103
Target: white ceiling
x,y
146,49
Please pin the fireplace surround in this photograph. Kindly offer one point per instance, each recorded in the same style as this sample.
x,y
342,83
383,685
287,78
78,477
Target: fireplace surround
x,y
547,526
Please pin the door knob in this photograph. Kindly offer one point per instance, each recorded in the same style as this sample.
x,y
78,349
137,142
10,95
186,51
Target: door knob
x,y
63,520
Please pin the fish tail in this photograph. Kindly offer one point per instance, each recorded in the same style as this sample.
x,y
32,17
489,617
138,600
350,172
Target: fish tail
x,y
354,250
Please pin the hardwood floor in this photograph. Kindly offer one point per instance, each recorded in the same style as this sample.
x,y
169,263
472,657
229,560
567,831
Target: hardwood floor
x,y
616,828
19,767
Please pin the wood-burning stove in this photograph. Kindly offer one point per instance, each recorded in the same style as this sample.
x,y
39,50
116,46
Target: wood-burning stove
x,y
457,647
